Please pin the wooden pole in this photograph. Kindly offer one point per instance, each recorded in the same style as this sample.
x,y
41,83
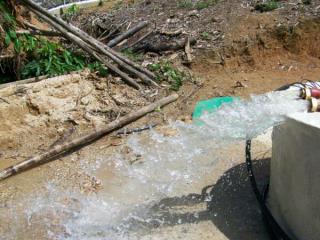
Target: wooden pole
x,y
100,47
39,32
84,140
127,34
87,48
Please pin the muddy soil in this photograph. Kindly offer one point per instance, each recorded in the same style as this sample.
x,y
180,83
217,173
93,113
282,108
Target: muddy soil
x,y
252,53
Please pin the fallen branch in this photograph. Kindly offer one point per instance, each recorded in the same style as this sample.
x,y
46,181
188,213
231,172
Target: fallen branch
x,y
135,130
112,32
87,48
127,34
39,32
7,56
25,81
57,150
140,39
164,46
95,44
172,34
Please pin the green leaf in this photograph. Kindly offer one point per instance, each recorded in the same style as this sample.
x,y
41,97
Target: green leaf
x,y
7,40
17,45
12,34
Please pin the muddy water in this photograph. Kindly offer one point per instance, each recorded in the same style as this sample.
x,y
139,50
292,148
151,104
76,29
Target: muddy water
x,y
138,200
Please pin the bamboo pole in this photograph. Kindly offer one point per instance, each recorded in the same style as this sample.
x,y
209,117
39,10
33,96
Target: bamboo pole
x,y
127,34
39,32
100,47
86,47
84,140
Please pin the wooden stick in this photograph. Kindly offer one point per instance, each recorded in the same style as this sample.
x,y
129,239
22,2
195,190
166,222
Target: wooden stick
x,y
7,56
100,47
135,130
84,140
127,34
25,81
187,50
140,39
87,48
39,32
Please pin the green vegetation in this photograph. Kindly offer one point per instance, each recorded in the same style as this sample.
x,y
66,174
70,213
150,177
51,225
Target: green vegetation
x,y
132,55
205,35
98,68
306,2
118,5
70,12
38,55
48,58
166,72
199,5
185,4
267,6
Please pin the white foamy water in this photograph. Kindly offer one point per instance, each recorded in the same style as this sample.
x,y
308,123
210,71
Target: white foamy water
x,y
167,168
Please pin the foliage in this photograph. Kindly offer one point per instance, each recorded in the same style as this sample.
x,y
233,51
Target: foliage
x,y
99,68
306,2
267,6
70,12
42,57
166,72
205,35
118,5
48,58
132,55
185,4
199,5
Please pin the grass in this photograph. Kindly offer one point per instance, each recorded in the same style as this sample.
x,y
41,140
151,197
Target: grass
x,y
267,6
70,12
205,35
166,72
132,55
185,4
199,5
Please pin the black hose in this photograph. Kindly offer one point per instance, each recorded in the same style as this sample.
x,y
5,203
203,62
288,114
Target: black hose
x,y
276,232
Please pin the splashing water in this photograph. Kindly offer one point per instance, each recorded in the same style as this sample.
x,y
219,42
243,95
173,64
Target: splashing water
x,y
169,165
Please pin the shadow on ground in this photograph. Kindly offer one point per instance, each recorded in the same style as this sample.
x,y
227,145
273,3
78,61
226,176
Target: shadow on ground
x,y
230,204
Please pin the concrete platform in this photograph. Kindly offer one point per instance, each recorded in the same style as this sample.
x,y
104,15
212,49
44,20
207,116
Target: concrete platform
x,y
294,196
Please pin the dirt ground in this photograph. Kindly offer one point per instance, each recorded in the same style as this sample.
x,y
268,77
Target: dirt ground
x,y
248,52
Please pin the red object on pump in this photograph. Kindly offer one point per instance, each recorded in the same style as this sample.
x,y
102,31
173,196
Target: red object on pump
x,y
315,92
308,93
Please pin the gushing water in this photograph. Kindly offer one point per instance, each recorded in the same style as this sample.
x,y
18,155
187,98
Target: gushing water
x,y
165,167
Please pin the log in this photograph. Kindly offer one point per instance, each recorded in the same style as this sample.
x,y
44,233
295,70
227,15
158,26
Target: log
x,y
164,46
86,47
127,34
140,39
57,150
39,32
100,47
